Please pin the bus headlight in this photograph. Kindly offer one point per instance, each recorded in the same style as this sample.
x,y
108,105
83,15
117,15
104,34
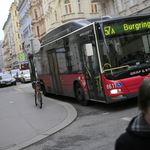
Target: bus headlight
x,y
115,91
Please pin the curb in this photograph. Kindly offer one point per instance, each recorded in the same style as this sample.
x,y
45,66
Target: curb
x,y
71,116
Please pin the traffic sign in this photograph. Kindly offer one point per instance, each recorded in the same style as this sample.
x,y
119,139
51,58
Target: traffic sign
x,y
32,43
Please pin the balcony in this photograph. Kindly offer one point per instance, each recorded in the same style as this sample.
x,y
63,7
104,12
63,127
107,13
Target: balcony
x,y
97,1
68,17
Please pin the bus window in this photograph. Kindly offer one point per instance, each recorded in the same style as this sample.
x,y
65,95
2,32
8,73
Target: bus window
x,y
128,51
61,58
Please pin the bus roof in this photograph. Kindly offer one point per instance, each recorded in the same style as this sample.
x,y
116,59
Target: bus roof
x,y
125,18
71,26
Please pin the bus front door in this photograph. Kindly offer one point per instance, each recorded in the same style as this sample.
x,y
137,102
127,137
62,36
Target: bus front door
x,y
55,73
92,72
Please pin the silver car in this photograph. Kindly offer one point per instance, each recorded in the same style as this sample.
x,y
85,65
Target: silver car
x,y
6,79
25,76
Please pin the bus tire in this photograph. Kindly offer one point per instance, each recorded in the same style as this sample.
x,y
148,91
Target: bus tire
x,y
80,95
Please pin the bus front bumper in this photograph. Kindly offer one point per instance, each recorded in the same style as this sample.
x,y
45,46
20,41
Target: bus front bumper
x,y
110,99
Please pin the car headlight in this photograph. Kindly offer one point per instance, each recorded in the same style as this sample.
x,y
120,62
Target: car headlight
x,y
115,91
12,80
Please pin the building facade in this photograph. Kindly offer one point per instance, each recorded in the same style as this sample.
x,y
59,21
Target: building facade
x,y
38,21
58,12
5,54
122,7
16,31
8,58
11,42
2,65
23,9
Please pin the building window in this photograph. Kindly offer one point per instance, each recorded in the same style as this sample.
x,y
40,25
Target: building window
x,y
15,12
122,4
36,14
104,8
20,47
18,36
55,16
113,7
79,5
38,31
133,2
68,7
51,18
94,7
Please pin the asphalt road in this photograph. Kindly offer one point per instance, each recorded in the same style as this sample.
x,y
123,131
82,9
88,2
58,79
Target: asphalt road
x,y
96,128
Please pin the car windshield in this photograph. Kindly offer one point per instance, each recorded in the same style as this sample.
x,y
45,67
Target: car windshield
x,y
19,72
26,72
7,72
5,76
14,71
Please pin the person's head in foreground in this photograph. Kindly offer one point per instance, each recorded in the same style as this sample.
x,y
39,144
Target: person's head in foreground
x,y
144,99
137,135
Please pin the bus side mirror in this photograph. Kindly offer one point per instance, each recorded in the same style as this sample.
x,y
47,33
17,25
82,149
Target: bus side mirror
x,y
89,49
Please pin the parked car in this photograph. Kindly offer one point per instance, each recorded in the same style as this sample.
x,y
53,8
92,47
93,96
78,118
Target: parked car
x,y
14,71
7,79
25,76
6,72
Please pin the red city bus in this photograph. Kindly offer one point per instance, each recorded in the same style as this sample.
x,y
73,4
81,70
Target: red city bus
x,y
97,59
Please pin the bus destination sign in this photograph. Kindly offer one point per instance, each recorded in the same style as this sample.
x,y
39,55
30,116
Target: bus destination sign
x,y
116,29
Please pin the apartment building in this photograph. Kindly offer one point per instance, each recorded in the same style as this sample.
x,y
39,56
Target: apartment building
x,y
11,43
6,45
2,65
24,14
58,12
38,20
122,7
16,31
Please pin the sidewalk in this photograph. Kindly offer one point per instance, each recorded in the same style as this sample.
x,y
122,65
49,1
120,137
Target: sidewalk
x,y
22,123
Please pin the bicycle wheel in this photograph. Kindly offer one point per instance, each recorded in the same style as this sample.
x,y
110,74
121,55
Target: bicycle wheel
x,y
36,98
40,100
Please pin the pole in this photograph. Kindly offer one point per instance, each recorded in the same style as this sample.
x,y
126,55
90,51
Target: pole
x,y
34,59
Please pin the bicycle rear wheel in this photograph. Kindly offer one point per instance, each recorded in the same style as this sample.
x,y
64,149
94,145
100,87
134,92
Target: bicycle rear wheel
x,y
38,99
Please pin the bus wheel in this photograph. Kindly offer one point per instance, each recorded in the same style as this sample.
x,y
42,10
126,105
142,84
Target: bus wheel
x,y
80,95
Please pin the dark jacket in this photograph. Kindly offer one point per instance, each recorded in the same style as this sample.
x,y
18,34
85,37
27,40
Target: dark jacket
x,y
135,138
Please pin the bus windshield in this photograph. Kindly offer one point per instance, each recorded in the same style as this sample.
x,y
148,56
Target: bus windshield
x,y
126,51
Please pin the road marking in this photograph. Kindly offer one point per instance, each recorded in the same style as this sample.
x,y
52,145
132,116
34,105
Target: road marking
x,y
20,90
107,113
126,118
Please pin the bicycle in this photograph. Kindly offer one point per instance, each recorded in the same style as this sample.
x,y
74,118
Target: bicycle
x,y
38,95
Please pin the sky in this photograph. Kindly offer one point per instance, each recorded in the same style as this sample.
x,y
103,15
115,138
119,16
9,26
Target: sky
x,y
4,11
